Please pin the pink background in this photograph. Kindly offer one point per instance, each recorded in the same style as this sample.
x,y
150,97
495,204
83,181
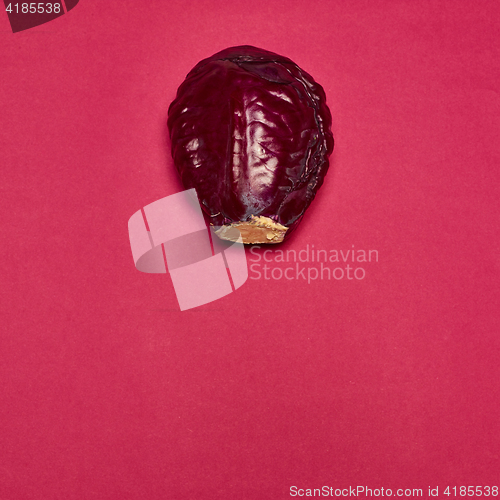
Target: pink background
x,y
108,391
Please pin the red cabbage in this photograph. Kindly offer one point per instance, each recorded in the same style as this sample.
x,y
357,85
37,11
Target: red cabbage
x,y
250,131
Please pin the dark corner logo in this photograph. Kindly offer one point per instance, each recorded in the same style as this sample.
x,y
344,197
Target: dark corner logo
x,y
23,16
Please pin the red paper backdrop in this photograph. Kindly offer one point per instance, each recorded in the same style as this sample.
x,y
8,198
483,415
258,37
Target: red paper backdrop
x,y
109,392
